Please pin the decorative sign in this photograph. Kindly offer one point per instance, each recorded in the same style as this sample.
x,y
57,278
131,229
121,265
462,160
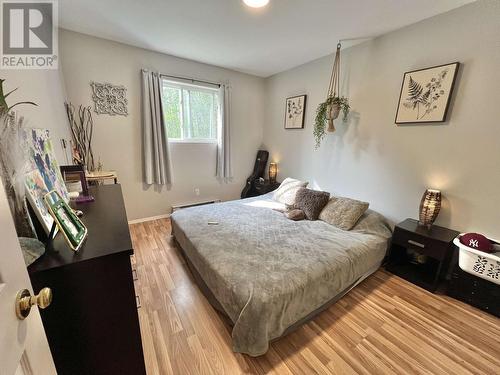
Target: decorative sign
x,y
109,99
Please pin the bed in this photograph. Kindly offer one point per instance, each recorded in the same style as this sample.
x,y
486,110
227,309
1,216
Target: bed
x,y
269,274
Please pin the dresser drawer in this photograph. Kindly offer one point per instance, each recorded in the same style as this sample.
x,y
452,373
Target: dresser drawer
x,y
475,291
423,245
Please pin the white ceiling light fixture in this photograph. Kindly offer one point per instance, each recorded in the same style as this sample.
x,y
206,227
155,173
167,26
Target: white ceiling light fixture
x,y
256,3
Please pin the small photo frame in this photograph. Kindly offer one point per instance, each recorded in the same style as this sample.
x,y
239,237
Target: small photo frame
x,y
74,231
295,109
76,181
425,94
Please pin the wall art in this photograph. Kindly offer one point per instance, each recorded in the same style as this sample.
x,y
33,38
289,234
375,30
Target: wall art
x,y
42,174
425,94
109,99
294,112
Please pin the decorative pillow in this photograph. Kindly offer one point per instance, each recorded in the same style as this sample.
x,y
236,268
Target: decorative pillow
x,y
343,212
311,202
295,214
287,191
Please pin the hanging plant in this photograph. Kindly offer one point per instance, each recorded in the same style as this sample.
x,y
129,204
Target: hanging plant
x,y
327,112
330,109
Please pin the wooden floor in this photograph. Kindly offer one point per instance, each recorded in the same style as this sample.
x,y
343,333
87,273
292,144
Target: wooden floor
x,y
384,326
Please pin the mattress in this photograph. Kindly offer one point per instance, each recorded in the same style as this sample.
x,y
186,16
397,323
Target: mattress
x,y
268,272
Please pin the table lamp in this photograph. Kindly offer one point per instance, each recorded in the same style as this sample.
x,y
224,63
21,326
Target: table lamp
x,y
429,207
273,171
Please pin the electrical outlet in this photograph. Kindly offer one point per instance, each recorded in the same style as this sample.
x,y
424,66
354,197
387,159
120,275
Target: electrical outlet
x,y
197,191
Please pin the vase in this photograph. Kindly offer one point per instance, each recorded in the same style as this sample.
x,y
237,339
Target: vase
x,y
332,112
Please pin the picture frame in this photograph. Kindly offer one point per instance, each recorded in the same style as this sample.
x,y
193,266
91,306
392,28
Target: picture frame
x,y
74,231
295,108
426,93
74,175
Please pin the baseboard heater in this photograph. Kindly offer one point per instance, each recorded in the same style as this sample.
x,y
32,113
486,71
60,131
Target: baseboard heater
x,y
181,206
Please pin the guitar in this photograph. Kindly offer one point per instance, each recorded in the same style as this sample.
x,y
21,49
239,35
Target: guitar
x,y
258,171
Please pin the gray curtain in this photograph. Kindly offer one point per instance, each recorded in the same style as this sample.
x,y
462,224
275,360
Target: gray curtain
x,y
224,171
156,155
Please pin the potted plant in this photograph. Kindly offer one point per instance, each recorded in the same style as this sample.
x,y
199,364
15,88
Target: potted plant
x,y
12,161
328,111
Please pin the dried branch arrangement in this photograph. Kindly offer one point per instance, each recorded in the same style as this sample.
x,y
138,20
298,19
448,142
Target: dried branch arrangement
x,y
82,128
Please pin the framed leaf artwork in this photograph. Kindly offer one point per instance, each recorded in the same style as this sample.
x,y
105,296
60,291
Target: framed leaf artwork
x,y
294,112
425,94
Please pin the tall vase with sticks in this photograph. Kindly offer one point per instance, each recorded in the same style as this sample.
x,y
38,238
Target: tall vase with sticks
x,y
82,128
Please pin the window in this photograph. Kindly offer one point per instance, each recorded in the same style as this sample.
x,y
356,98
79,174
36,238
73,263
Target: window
x,y
190,111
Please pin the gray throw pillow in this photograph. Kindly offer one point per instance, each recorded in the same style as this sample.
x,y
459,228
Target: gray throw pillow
x,y
311,202
287,191
343,212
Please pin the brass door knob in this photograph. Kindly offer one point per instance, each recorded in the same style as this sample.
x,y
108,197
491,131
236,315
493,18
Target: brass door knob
x,y
24,301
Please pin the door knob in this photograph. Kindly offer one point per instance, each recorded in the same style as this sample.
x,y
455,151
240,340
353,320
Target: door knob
x,y
24,301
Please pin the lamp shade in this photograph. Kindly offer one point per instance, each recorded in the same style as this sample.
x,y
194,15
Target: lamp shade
x,y
273,172
430,206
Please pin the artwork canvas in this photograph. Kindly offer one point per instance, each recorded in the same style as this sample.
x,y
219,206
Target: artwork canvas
x,y
294,112
43,174
425,94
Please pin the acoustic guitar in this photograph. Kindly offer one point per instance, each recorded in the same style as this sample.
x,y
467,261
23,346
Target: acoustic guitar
x,y
258,172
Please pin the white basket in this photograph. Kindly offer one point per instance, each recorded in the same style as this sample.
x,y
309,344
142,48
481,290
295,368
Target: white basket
x,y
479,263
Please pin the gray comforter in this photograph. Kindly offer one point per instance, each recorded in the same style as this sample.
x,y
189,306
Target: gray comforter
x,y
269,272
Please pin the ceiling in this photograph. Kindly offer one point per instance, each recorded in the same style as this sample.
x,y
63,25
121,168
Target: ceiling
x,y
226,33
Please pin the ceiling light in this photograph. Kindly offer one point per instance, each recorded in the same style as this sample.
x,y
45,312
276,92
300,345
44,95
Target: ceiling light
x,y
256,3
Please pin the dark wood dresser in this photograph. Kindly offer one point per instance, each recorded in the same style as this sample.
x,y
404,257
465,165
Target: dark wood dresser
x,y
92,324
475,291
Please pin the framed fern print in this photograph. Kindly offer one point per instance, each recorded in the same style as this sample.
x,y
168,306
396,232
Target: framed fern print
x,y
425,94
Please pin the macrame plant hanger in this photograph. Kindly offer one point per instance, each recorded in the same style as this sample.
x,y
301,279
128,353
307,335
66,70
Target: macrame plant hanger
x,y
333,109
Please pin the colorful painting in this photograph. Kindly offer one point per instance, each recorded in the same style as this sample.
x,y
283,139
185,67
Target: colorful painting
x,y
35,191
43,174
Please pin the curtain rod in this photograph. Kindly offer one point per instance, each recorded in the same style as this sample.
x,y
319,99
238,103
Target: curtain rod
x,y
190,79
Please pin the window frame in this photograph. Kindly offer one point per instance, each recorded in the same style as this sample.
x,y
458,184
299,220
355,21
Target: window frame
x,y
212,89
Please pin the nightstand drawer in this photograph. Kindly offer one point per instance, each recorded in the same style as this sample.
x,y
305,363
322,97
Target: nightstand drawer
x,y
423,245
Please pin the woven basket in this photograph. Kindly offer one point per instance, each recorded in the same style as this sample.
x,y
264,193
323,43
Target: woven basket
x,y
479,263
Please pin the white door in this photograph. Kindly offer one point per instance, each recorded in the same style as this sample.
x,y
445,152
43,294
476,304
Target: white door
x,y
23,345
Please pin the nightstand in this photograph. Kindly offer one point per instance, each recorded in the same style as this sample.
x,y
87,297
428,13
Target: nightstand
x,y
265,187
419,254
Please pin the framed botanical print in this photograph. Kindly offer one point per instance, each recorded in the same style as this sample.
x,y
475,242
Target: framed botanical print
x,y
294,112
425,94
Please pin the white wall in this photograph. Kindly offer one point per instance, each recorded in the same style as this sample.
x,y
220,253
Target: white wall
x,y
371,158
45,88
117,139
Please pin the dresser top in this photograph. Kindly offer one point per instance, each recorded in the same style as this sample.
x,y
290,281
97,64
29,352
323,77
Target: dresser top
x,y
108,231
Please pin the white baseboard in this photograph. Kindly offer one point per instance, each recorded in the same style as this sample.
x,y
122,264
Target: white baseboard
x,y
151,218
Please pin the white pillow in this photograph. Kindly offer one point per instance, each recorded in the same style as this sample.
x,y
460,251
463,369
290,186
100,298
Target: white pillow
x,y
287,190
